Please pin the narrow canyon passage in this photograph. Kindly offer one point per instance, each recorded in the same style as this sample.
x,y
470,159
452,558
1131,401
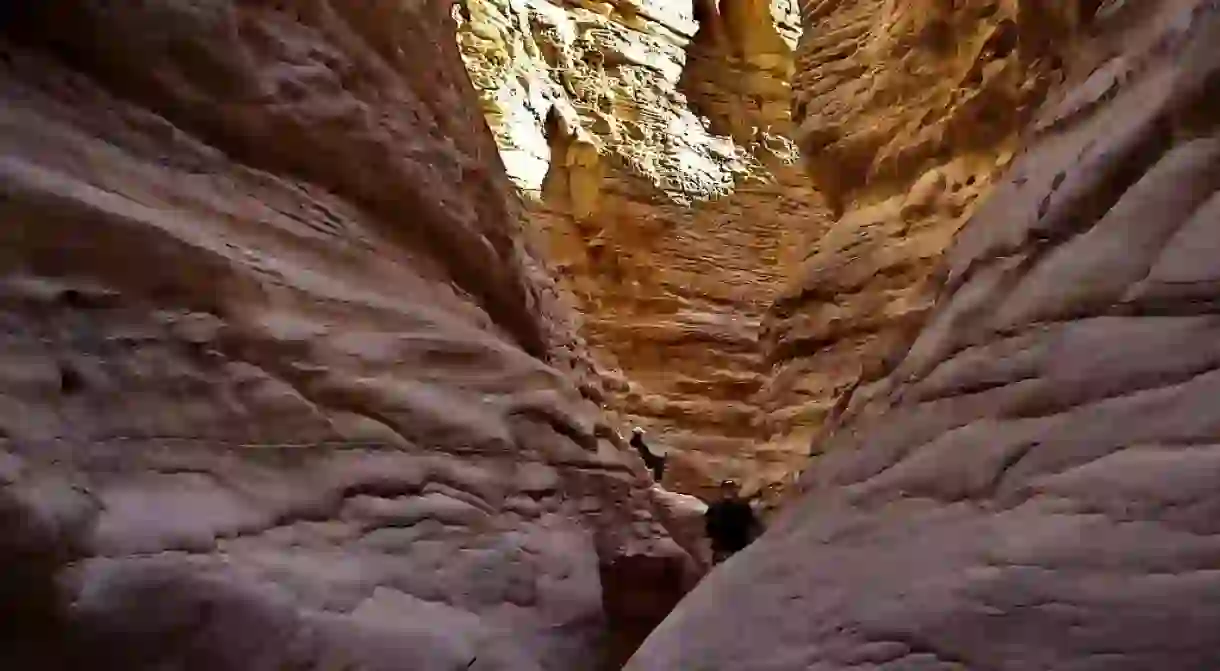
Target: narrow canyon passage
x,y
1030,482
731,290
318,319
673,207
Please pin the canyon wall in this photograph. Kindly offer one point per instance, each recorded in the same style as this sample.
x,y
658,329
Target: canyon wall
x,y
1030,482
908,113
652,140
730,295
282,384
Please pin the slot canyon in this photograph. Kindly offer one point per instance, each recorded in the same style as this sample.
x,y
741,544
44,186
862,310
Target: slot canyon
x,y
324,321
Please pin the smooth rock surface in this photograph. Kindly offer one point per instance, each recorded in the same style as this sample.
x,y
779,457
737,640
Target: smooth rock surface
x,y
281,386
1033,482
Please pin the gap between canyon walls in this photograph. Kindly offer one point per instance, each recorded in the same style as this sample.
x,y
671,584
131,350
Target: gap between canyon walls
x,y
653,144
732,296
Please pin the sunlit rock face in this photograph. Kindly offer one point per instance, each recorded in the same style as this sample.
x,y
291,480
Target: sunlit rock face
x,y
653,143
908,114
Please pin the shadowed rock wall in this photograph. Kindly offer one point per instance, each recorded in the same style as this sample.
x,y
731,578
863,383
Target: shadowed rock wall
x,y
282,386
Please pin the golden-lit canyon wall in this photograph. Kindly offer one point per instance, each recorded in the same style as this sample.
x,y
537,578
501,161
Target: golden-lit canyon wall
x,y
652,141
908,112
739,266
1032,482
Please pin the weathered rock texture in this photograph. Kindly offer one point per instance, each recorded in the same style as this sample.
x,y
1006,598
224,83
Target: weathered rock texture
x,y
655,138
683,516
277,373
1034,483
908,113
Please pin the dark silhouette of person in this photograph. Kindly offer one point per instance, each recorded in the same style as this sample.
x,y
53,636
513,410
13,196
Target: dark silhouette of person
x,y
654,462
730,522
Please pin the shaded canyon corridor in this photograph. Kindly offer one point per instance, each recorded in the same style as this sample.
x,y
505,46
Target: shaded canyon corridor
x,y
321,322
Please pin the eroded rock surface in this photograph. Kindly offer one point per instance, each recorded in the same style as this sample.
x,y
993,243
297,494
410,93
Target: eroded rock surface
x,y
1032,484
654,139
909,112
282,387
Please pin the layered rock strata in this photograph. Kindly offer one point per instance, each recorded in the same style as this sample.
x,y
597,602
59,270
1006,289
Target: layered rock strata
x,y
654,140
1032,482
281,386
909,112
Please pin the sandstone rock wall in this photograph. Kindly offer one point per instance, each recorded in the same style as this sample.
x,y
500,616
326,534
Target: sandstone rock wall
x,y
654,138
908,113
730,296
1032,482
280,381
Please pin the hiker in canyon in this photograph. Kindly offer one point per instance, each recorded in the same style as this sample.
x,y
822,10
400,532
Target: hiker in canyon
x,y
654,462
730,522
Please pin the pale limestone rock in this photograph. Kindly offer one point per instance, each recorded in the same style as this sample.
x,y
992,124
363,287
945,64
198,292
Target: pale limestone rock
x,y
283,386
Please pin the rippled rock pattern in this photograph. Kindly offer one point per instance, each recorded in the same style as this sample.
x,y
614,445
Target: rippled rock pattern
x,y
1032,483
281,385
